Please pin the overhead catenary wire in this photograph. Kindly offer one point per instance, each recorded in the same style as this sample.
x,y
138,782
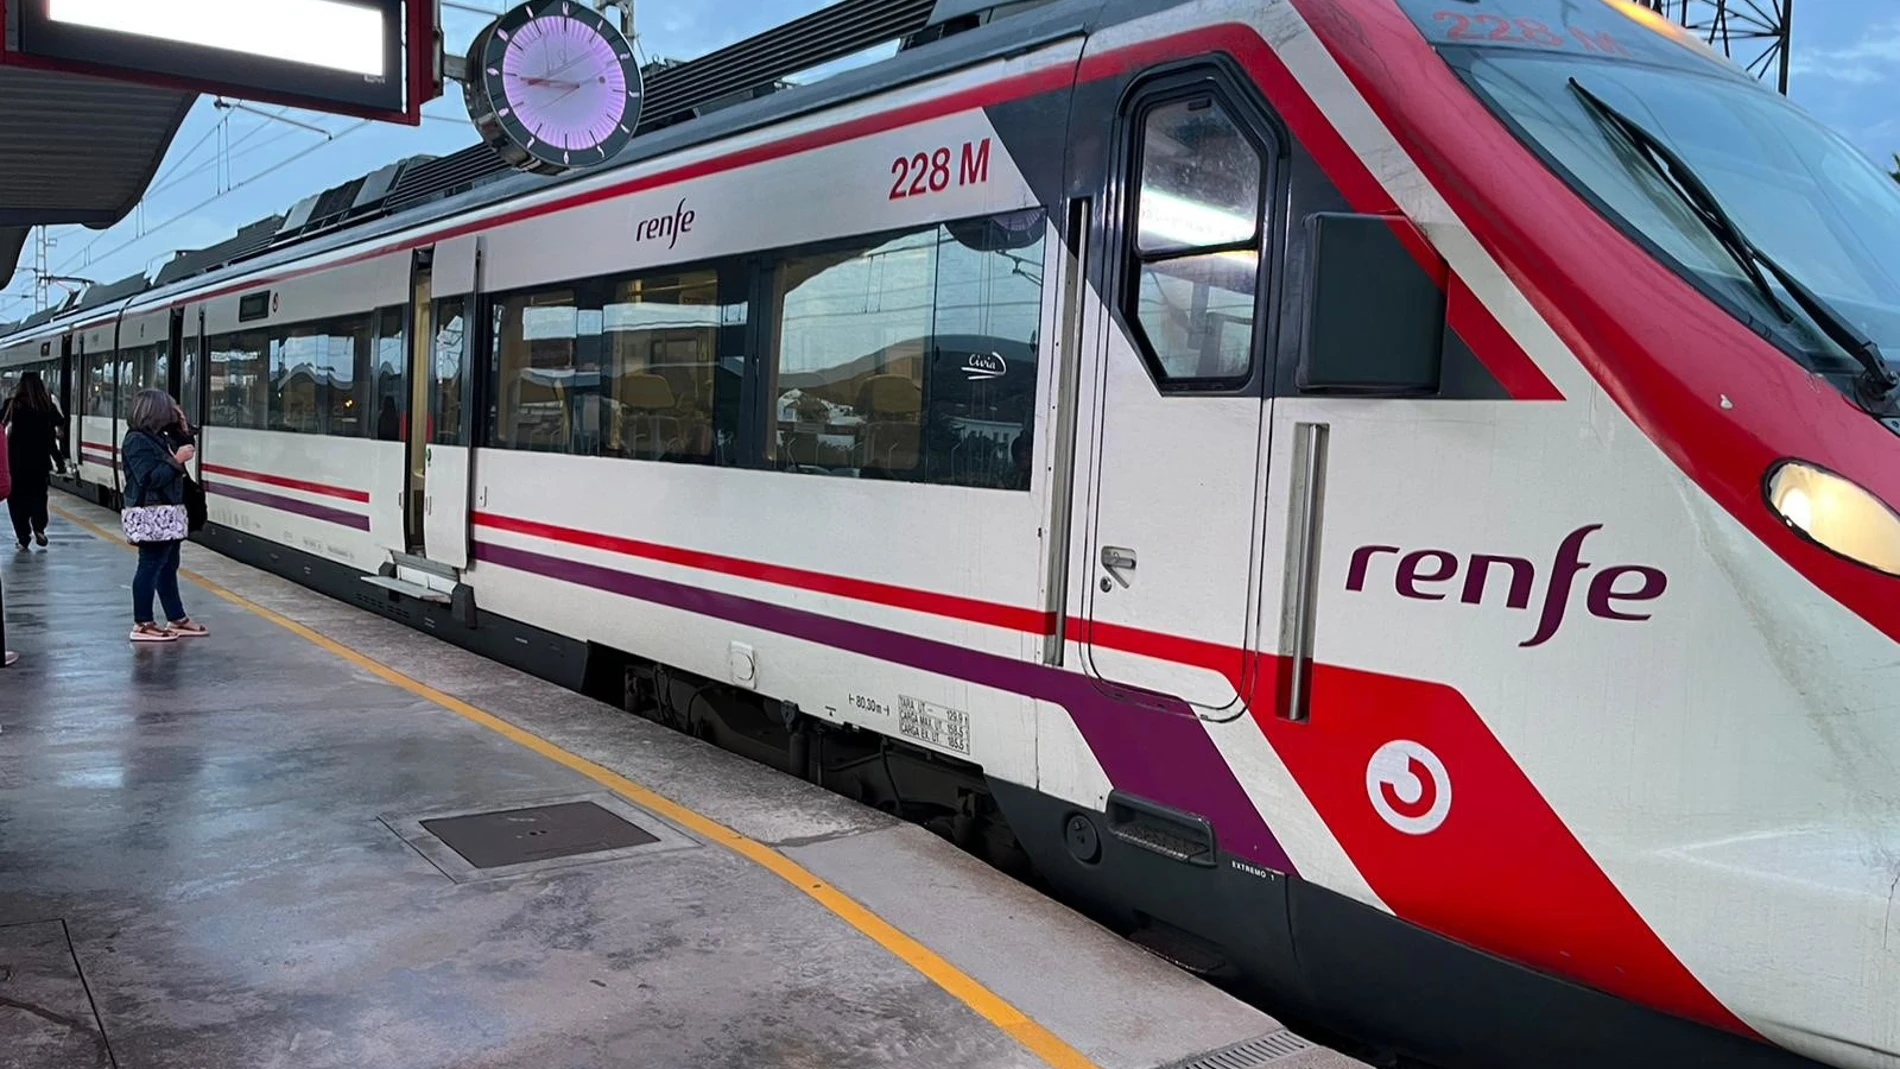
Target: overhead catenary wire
x,y
207,202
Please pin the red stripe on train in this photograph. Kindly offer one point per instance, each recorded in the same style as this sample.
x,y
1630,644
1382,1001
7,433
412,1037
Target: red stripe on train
x,y
341,493
950,606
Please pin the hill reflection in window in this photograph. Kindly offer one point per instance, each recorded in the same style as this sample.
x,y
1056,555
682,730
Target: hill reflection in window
x,y
911,357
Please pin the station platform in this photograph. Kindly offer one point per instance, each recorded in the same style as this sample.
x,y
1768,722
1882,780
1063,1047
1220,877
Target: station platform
x,y
276,847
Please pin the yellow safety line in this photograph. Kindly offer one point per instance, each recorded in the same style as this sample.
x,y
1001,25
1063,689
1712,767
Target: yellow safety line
x,y
966,989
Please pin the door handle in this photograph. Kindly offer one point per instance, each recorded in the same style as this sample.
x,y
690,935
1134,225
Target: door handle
x,y
1116,561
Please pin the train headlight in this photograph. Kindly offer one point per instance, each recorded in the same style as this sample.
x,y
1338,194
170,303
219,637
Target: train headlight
x,y
1837,514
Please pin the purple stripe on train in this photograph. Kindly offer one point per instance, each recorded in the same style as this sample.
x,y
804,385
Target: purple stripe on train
x,y
289,504
1162,754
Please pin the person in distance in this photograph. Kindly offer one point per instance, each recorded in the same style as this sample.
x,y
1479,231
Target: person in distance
x,y
8,658
35,450
154,517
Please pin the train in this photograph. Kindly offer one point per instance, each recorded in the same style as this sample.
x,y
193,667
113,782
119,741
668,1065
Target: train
x,y
1390,504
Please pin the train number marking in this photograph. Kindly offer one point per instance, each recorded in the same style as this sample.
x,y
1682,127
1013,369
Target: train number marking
x,y
924,173
1466,27
1409,787
945,728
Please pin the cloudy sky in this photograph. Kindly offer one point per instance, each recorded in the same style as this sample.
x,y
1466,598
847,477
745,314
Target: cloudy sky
x,y
1846,71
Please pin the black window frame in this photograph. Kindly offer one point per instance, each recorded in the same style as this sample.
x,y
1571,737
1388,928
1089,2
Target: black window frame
x,y
1216,78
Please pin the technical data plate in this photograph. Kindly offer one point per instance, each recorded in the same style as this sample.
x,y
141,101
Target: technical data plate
x,y
500,841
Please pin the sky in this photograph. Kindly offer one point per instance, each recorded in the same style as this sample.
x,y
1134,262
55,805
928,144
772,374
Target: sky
x,y
1846,71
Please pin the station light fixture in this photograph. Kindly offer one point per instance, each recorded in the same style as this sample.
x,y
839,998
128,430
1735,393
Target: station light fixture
x,y
1837,514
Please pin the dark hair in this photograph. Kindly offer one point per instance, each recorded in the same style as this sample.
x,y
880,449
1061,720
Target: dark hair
x,y
152,411
31,396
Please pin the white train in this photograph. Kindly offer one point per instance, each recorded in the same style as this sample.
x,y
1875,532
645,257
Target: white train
x,y
1388,502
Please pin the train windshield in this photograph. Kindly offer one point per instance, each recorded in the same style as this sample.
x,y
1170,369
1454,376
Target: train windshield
x,y
1589,82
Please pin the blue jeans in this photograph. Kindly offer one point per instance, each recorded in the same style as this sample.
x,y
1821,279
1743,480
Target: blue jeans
x,y
157,574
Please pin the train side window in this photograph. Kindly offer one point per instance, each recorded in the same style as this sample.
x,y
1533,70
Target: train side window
x,y
190,367
449,368
99,391
390,377
1199,223
346,373
239,373
663,371
910,357
535,388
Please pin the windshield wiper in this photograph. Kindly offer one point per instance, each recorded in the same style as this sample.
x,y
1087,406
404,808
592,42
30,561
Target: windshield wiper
x,y
1876,386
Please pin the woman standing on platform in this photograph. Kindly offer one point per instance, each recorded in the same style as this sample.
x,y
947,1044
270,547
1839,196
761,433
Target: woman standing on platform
x,y
35,449
154,516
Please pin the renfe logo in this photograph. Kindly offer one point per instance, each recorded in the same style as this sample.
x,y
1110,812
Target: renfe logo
x,y
1419,570
1409,787
666,227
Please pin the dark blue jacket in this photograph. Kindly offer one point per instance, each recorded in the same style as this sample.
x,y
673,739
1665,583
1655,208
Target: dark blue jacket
x,y
152,477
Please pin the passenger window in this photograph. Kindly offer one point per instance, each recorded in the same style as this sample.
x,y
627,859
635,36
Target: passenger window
x,y
448,368
240,380
188,380
912,357
128,385
662,366
390,373
99,392
345,374
1199,231
536,338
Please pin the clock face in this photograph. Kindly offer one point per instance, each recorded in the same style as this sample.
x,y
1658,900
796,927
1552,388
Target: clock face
x,y
556,84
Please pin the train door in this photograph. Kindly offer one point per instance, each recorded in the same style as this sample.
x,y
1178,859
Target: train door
x,y
67,378
442,429
421,381
1183,367
187,380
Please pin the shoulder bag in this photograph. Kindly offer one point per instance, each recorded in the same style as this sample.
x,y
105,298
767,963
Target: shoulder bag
x,y
154,523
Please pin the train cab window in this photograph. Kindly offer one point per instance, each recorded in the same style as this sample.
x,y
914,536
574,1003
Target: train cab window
x,y
1198,234
911,357
537,387
389,372
662,368
449,368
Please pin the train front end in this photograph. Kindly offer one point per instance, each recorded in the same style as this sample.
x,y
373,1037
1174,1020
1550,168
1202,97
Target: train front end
x,y
1711,280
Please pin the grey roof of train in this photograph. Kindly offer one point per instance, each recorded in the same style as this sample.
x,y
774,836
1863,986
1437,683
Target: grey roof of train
x,y
1036,26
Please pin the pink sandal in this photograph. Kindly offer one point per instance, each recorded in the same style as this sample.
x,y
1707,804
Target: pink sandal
x,y
152,633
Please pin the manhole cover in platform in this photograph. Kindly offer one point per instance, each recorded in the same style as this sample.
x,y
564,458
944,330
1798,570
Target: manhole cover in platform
x,y
517,836
542,833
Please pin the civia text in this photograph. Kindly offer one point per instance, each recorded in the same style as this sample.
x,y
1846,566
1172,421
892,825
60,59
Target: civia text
x,y
1612,593
667,228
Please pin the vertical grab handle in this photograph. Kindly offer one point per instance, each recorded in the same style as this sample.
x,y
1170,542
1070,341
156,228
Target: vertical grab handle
x,y
1305,519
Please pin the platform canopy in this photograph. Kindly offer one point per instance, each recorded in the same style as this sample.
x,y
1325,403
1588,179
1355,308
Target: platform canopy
x,y
77,150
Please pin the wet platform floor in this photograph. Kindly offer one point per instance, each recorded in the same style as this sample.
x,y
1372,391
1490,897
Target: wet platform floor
x,y
225,853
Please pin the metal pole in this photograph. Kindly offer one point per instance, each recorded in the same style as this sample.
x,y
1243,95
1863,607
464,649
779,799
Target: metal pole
x,y
3,625
1787,42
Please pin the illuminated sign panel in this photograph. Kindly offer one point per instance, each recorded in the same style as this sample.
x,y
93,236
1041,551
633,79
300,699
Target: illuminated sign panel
x,y
333,55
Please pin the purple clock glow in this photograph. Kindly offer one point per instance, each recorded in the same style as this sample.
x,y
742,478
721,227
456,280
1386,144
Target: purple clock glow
x,y
564,82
